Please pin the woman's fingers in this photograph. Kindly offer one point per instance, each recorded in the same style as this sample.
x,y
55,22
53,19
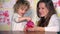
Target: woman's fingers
x,y
31,29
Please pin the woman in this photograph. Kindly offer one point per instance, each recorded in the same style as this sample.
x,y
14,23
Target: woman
x,y
48,18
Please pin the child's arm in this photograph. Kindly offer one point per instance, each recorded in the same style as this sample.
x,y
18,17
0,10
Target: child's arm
x,y
19,19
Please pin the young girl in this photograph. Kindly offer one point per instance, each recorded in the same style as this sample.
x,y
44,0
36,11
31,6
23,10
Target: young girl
x,y
20,9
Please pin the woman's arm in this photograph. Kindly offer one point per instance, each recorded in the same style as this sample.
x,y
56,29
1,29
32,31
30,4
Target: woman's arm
x,y
40,29
53,26
37,29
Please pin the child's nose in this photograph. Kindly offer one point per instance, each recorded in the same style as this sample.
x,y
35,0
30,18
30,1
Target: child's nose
x,y
23,11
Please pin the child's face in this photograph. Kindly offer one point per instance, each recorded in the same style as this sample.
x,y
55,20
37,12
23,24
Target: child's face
x,y
22,10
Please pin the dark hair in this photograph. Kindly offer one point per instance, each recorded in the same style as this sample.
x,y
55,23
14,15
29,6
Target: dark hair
x,y
45,21
20,3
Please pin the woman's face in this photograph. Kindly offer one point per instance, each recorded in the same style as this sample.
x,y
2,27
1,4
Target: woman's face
x,y
43,11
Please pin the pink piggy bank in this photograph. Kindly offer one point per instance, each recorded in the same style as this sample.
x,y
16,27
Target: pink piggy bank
x,y
29,24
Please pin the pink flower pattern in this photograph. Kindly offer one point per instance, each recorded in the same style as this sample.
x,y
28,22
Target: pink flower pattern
x,y
5,18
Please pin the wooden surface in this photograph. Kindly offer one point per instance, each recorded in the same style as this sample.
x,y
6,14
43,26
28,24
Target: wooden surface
x,y
20,32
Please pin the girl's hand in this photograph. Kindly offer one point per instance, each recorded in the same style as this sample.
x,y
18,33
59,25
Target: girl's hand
x,y
28,18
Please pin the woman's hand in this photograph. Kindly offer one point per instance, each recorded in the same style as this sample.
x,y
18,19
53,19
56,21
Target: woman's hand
x,y
32,29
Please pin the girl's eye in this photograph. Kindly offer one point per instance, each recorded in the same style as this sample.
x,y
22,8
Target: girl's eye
x,y
26,9
22,9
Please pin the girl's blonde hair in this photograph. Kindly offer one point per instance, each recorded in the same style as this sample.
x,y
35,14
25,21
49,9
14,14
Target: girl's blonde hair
x,y
21,3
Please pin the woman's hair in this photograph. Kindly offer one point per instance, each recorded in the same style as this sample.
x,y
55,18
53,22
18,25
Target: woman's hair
x,y
21,3
45,21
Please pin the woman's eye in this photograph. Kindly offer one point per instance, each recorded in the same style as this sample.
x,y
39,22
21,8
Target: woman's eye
x,y
38,8
42,8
